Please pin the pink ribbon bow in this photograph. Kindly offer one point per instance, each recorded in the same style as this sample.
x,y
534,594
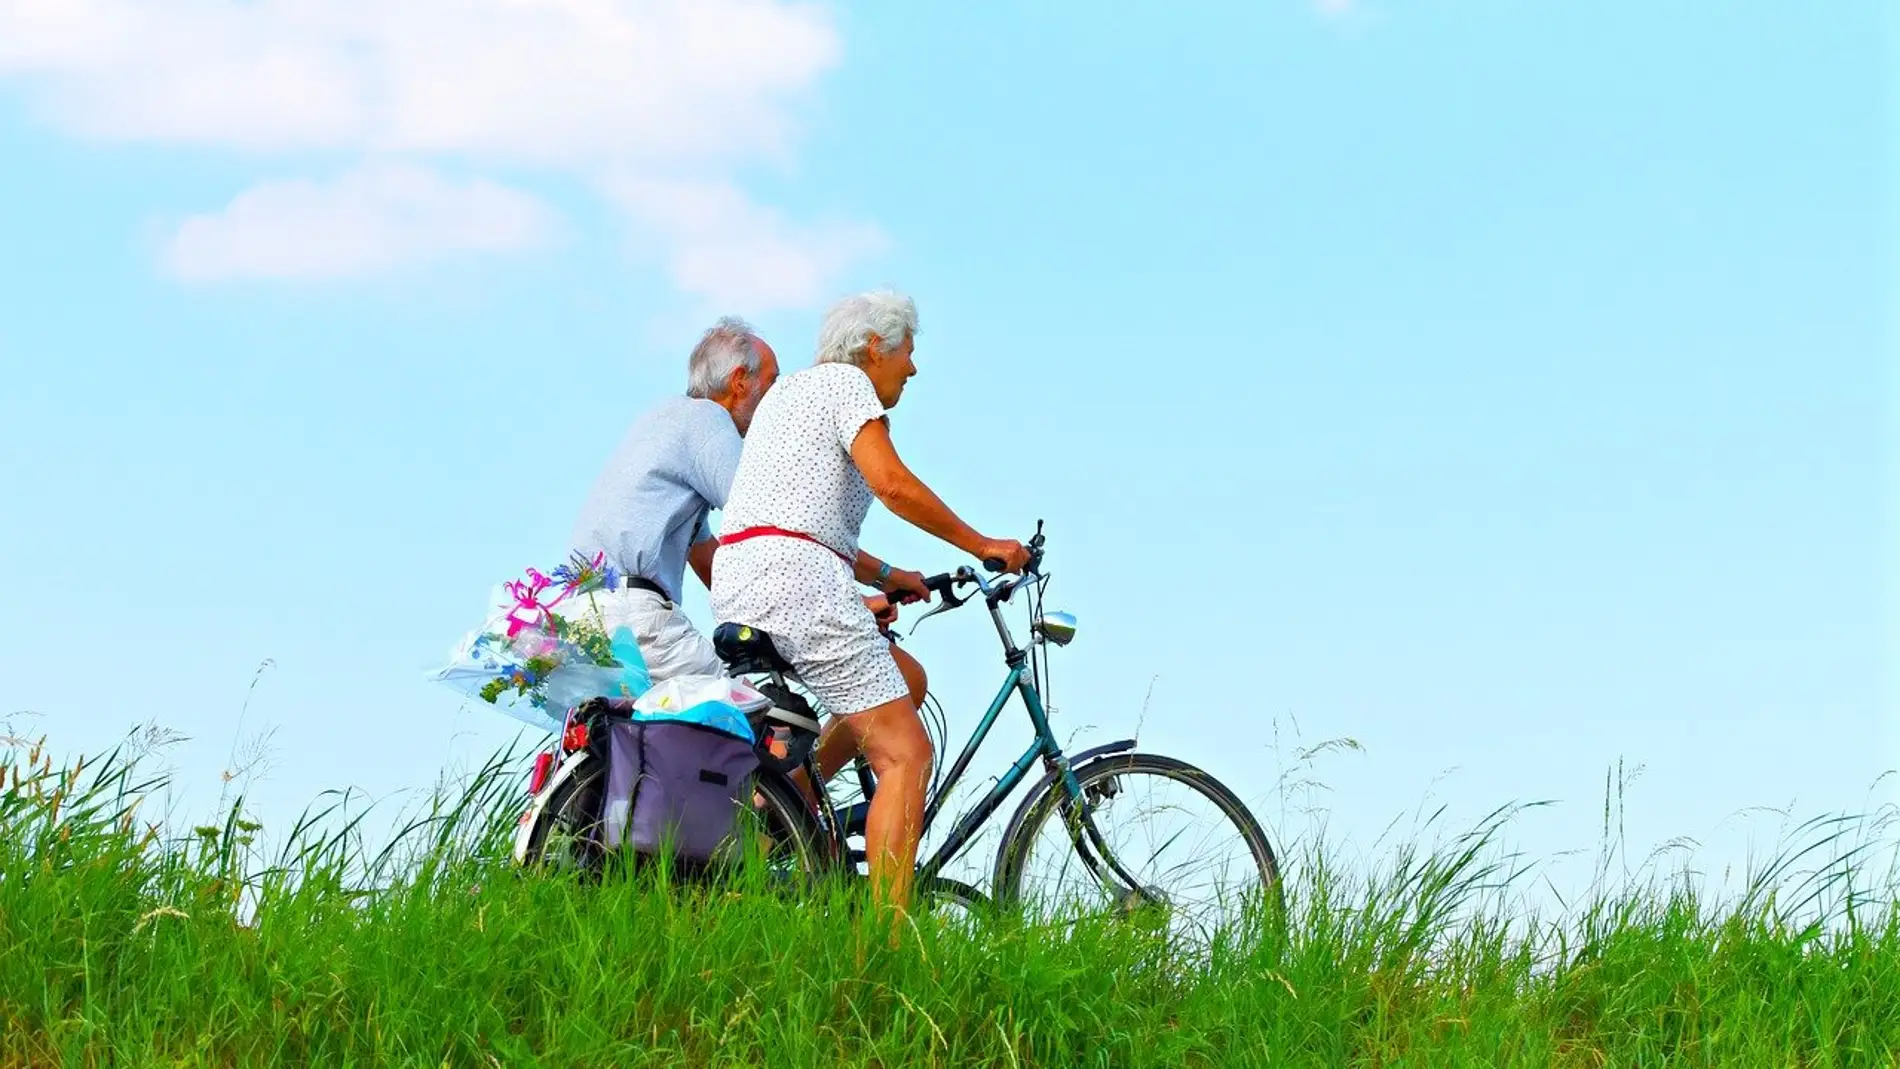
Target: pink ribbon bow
x,y
528,611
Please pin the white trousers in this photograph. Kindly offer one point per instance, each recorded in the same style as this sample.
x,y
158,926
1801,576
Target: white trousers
x,y
668,641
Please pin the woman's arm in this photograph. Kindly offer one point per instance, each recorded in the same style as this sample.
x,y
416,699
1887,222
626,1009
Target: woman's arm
x,y
905,494
865,568
896,582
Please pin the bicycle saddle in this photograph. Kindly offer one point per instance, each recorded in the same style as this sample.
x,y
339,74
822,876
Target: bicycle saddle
x,y
746,649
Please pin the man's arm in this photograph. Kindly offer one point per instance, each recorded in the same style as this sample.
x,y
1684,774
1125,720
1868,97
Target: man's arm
x,y
700,556
710,475
715,461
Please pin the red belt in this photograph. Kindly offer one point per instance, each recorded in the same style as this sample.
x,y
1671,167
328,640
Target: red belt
x,y
758,532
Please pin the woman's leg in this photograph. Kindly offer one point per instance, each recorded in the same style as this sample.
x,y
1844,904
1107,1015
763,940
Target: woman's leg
x,y
836,747
892,737
837,650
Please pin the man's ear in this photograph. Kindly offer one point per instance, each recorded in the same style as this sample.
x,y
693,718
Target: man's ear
x,y
735,383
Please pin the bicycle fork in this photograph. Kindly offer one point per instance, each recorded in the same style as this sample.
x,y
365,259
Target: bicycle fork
x,y
1078,818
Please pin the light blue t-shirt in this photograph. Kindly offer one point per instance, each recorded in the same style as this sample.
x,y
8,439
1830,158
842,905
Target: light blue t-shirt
x,y
649,504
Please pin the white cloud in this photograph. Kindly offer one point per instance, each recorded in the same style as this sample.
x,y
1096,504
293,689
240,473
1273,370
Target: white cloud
x,y
736,253
370,220
1353,15
554,81
585,88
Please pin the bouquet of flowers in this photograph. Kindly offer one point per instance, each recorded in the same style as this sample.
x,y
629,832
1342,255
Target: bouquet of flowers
x,y
534,663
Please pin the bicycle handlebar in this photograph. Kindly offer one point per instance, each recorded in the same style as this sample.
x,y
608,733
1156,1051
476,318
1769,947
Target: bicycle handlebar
x,y
946,584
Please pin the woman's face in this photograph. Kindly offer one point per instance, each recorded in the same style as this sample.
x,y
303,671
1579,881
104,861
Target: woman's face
x,y
889,370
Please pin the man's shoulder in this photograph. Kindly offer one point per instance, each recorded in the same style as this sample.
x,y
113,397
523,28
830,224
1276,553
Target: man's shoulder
x,y
706,417
681,408
681,417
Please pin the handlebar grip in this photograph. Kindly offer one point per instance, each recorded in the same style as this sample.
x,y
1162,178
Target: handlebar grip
x,y
994,564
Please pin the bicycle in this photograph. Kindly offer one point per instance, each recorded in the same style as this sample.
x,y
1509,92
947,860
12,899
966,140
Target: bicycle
x,y
815,840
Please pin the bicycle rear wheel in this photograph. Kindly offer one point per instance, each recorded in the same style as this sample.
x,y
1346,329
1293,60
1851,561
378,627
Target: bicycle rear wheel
x,y
782,825
1179,845
567,837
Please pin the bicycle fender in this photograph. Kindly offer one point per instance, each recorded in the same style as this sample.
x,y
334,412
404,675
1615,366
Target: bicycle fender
x,y
1044,785
524,828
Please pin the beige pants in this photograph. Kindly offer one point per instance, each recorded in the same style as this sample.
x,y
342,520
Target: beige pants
x,y
668,641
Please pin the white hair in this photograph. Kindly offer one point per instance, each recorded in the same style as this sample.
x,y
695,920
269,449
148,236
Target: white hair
x,y
727,346
849,326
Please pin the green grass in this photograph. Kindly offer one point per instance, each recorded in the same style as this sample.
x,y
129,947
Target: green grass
x,y
121,946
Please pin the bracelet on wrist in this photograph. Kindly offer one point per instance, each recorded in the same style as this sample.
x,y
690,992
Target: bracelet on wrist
x,y
883,575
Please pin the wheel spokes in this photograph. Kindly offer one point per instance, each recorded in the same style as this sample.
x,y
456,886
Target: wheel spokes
x,y
1144,843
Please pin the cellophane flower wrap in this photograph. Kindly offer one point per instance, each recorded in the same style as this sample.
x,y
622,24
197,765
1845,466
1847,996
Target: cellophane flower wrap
x,y
541,652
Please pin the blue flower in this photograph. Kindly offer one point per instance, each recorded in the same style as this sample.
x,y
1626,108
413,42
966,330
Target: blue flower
x,y
582,575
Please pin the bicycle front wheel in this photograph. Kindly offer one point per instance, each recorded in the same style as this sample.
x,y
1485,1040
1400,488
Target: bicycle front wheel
x,y
1149,836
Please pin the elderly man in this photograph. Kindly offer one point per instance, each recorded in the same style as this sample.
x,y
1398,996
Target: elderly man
x,y
648,508
788,562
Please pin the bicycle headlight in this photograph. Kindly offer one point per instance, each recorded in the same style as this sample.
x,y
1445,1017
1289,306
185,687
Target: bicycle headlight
x,y
1057,627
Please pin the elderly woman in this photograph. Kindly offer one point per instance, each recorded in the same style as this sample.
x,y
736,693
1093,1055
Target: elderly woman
x,y
819,449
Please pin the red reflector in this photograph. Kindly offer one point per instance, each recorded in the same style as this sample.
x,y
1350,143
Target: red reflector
x,y
539,777
575,738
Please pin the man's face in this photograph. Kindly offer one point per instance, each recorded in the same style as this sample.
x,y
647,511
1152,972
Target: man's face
x,y
751,388
889,370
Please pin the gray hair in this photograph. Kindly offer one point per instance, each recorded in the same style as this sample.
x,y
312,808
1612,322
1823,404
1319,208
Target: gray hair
x,y
849,325
727,346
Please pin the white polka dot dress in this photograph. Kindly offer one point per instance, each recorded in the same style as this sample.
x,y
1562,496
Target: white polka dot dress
x,y
796,474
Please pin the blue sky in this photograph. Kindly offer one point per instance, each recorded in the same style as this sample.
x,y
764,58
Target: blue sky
x,y
1509,388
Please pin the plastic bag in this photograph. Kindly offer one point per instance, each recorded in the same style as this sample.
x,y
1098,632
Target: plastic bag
x,y
534,667
718,702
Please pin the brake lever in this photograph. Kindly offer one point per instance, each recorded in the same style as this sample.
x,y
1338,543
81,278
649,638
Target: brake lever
x,y
947,597
945,605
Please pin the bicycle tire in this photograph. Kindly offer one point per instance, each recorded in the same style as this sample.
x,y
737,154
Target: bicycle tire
x,y
794,818
576,801
571,803
947,889
1006,882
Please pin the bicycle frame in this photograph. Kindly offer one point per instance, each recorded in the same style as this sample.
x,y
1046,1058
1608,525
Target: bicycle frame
x,y
1044,747
1019,681
1023,680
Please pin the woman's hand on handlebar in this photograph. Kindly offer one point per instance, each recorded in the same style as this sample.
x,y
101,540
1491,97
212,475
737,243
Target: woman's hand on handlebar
x,y
1002,554
904,587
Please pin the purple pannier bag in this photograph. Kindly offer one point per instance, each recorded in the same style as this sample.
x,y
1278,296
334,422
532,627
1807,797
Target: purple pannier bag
x,y
674,785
